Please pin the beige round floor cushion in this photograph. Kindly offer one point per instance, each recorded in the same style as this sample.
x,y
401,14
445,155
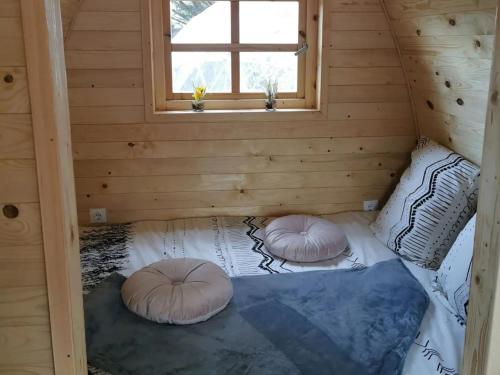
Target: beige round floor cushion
x,y
302,238
178,291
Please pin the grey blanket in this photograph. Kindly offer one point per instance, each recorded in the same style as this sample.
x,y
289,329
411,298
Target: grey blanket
x,y
346,322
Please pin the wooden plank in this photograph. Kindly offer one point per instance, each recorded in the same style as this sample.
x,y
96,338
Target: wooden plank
x,y
360,111
11,27
475,46
21,182
10,8
14,90
21,266
24,306
104,41
22,230
466,107
457,134
107,115
350,6
313,77
363,58
404,9
104,59
183,183
368,94
101,97
242,197
16,141
313,146
445,74
225,165
121,216
367,76
16,271
107,21
235,39
25,345
358,21
26,370
12,51
342,39
483,323
51,131
459,23
111,6
69,10
262,130
104,78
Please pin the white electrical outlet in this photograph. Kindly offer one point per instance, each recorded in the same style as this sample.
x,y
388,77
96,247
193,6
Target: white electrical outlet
x,y
370,205
98,215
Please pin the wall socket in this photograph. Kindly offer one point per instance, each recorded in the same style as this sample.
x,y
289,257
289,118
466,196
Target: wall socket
x,y
98,215
370,205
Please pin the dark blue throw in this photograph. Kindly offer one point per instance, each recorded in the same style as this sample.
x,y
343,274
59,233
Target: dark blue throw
x,y
345,322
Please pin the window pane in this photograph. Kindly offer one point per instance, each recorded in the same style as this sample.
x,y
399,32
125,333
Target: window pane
x,y
200,21
212,69
258,67
269,21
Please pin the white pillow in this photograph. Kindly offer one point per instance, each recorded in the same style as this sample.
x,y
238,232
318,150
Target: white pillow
x,y
435,198
453,277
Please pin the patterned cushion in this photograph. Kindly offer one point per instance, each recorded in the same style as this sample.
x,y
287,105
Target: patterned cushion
x,y
453,277
435,198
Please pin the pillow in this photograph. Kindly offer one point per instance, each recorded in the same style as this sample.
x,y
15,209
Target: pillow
x,y
178,291
453,277
435,198
301,238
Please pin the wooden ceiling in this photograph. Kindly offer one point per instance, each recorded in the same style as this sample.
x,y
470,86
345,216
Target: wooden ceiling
x,y
69,8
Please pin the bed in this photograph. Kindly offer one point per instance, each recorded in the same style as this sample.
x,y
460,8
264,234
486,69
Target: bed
x,y
235,244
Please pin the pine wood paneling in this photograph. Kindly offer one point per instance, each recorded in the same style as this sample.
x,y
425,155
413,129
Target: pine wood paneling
x,y
104,78
483,324
363,58
104,40
24,315
14,90
16,141
141,170
250,164
446,51
107,21
257,130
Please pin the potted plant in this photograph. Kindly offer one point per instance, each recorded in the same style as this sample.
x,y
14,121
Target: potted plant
x,y
271,91
199,93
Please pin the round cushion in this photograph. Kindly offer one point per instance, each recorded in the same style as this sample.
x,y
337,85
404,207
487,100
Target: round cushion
x,y
302,238
178,291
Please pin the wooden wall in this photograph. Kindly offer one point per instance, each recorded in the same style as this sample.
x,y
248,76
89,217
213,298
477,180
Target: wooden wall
x,y
139,170
482,337
446,48
24,314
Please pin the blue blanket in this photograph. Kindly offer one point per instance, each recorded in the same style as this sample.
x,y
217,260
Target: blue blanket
x,y
346,322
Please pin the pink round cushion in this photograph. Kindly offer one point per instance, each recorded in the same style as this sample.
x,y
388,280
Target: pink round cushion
x,y
178,291
302,238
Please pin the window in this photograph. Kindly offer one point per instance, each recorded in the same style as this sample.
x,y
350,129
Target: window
x,y
234,48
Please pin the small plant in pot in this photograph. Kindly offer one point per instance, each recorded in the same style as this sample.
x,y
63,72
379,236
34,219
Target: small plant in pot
x,y
199,93
271,91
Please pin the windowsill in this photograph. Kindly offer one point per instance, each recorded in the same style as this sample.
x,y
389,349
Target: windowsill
x,y
212,115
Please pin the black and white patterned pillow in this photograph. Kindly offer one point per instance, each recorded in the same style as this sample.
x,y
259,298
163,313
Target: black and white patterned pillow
x,y
435,198
453,277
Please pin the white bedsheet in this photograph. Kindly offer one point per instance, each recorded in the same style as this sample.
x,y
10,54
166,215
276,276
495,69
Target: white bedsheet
x,y
236,245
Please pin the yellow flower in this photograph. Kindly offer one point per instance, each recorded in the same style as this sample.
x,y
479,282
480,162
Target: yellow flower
x,y
199,93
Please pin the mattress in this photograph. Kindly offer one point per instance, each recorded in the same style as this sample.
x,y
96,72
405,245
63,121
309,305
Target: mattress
x,y
236,245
